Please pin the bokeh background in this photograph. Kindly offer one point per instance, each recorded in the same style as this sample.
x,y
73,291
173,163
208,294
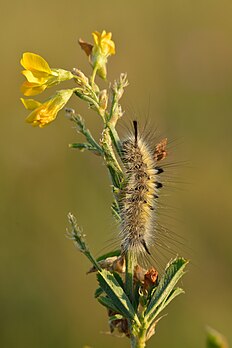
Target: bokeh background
x,y
178,56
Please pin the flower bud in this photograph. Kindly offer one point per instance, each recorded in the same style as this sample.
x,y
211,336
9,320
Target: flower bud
x,y
80,77
103,99
99,52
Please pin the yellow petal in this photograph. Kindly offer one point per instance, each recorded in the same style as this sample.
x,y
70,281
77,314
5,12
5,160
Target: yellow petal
x,y
46,113
108,47
34,62
31,77
36,76
30,89
106,36
96,37
34,119
30,104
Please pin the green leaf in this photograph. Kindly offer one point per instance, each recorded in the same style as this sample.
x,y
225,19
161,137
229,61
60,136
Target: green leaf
x,y
82,146
173,273
115,211
82,129
119,279
115,317
174,293
109,254
98,292
106,302
215,339
115,292
136,295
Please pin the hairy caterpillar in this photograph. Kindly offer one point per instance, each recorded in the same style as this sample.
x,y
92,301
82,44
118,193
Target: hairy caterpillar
x,y
139,195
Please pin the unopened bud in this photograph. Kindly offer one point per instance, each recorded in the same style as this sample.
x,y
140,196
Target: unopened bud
x,y
80,77
120,111
103,99
69,113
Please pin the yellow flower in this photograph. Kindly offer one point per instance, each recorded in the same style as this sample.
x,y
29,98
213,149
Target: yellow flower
x,y
39,75
103,43
44,113
99,52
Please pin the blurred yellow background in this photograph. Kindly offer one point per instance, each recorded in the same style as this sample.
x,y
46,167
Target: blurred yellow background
x,y
178,56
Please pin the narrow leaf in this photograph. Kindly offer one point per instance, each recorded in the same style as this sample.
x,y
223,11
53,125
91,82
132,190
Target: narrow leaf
x,y
174,293
106,302
110,285
98,292
109,254
115,211
119,279
115,317
82,146
173,273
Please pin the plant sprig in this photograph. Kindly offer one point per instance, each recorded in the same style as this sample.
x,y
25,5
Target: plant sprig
x,y
134,297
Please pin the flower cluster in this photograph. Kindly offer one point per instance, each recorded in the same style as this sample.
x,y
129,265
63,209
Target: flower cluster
x,y
39,76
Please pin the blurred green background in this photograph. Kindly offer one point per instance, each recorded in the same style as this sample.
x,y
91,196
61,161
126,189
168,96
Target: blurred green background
x,y
178,56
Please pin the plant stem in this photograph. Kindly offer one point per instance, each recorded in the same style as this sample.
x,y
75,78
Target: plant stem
x,y
111,160
140,340
92,78
87,98
115,139
138,336
82,128
130,265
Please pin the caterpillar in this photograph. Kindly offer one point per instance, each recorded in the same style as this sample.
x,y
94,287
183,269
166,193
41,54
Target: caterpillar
x,y
140,192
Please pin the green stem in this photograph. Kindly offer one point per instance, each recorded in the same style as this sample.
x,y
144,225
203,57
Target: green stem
x,y
138,336
110,159
130,265
90,100
80,241
115,139
85,131
113,105
88,254
92,78
139,341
